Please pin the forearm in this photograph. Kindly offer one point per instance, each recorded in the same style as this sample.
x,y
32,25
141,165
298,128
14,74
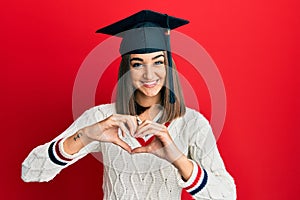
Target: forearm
x,y
76,142
45,161
220,184
184,166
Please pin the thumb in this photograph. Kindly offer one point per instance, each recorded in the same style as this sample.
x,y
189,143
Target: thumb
x,y
123,145
140,150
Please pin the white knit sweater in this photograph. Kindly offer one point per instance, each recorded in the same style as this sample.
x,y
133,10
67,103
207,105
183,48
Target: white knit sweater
x,y
141,176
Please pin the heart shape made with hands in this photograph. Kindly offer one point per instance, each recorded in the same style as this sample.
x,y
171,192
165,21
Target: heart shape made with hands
x,y
137,142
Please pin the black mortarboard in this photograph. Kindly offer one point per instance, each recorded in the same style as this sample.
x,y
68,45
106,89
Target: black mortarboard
x,y
145,32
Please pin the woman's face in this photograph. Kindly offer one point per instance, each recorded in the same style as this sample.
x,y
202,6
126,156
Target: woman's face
x,y
148,73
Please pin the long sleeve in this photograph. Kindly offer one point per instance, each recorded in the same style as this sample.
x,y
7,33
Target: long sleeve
x,y
209,179
45,161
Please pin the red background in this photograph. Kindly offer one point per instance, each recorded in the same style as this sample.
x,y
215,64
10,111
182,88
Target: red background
x,y
255,45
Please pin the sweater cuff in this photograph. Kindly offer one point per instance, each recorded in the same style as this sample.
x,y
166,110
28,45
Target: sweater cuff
x,y
196,182
57,154
62,151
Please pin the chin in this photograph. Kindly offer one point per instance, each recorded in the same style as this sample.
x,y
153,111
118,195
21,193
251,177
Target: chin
x,y
150,92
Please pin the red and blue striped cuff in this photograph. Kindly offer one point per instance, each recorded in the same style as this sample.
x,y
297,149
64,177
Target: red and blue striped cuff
x,y
56,155
197,181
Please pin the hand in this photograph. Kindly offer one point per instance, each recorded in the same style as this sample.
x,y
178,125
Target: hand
x,y
162,145
107,130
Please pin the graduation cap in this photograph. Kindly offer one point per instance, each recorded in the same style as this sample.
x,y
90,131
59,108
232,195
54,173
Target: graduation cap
x,y
146,32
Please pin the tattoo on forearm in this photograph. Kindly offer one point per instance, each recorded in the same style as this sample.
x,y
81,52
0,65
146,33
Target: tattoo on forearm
x,y
77,136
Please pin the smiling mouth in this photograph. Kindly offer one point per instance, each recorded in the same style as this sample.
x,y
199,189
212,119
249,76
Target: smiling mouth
x,y
150,84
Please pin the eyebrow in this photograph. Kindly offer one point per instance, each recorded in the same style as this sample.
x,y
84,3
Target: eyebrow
x,y
140,59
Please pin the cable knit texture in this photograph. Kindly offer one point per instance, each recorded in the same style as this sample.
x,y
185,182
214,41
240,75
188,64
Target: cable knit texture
x,y
142,176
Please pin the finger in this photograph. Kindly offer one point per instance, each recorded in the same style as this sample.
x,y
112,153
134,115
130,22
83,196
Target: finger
x,y
150,127
122,144
123,129
144,126
150,132
131,124
144,123
140,150
147,130
138,120
147,122
163,136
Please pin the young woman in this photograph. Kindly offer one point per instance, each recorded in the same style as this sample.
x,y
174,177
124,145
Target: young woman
x,y
152,145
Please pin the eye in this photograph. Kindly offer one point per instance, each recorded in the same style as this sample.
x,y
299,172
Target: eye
x,y
159,62
135,65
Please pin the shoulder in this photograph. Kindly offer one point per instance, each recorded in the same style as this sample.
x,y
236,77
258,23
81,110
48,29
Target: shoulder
x,y
192,120
100,111
111,107
193,128
105,109
197,128
194,115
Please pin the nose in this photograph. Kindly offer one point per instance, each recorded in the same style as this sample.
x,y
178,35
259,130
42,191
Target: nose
x,y
149,72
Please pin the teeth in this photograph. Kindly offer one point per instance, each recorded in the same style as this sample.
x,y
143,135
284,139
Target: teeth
x,y
150,83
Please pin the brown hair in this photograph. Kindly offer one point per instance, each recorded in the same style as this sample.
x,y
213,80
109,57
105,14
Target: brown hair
x,y
125,93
